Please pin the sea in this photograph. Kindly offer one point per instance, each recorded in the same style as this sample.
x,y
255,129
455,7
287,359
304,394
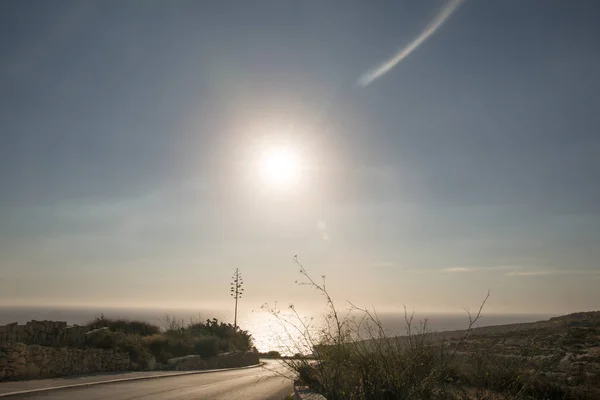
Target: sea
x,y
285,332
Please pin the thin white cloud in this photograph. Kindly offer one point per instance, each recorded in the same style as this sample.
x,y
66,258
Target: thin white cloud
x,y
460,269
481,269
586,273
504,267
429,30
530,273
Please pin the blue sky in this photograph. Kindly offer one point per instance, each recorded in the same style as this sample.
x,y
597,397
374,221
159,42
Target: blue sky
x,y
127,133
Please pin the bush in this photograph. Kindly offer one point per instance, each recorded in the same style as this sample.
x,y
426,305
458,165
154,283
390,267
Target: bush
x,y
136,350
104,338
231,338
140,338
119,341
141,328
165,347
207,346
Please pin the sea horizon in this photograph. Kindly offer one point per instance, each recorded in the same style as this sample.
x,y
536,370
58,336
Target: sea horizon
x,y
266,330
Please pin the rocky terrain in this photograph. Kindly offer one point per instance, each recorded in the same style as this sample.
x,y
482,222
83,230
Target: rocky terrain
x,y
563,352
554,359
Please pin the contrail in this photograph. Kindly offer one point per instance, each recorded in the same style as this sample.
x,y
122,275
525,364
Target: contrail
x,y
429,30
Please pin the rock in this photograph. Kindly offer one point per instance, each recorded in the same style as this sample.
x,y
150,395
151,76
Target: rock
x,y
97,332
565,363
147,364
187,363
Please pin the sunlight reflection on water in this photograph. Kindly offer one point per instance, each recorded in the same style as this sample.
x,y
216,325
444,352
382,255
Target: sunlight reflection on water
x,y
273,333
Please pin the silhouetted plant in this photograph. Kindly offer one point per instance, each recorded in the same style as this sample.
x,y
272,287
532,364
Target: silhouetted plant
x,y
236,291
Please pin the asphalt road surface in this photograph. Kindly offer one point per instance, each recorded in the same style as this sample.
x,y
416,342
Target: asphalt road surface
x,y
247,384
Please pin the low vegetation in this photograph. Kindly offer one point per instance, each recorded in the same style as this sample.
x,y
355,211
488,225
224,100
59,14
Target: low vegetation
x,y
142,339
356,359
135,327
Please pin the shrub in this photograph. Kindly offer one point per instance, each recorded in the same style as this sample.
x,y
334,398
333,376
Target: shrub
x,y
104,338
140,338
206,346
122,342
141,328
136,350
231,338
165,347
174,326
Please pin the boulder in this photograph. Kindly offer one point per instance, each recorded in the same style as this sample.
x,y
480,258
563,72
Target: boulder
x,y
187,363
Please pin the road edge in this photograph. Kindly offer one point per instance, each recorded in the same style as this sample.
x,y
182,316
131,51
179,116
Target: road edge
x,y
137,378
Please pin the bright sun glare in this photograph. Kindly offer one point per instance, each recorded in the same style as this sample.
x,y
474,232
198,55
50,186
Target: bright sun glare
x,y
280,167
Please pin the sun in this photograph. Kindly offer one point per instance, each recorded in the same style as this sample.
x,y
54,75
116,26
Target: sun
x,y
280,167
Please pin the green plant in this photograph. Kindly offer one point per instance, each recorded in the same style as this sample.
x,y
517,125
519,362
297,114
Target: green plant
x,y
207,346
231,338
123,342
136,327
136,350
174,326
207,339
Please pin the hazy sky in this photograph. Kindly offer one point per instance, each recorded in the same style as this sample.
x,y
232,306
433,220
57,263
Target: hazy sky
x,y
132,134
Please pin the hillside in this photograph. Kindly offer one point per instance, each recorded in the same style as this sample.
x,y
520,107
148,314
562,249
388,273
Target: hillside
x,y
557,358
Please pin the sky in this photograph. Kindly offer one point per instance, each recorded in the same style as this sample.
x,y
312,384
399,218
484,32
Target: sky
x,y
133,137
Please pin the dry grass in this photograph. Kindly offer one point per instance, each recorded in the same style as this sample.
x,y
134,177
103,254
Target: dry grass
x,y
356,359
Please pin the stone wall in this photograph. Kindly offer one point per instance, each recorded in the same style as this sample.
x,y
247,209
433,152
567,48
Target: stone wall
x,y
19,361
44,349
44,333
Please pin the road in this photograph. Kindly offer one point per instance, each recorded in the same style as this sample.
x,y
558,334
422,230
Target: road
x,y
247,384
